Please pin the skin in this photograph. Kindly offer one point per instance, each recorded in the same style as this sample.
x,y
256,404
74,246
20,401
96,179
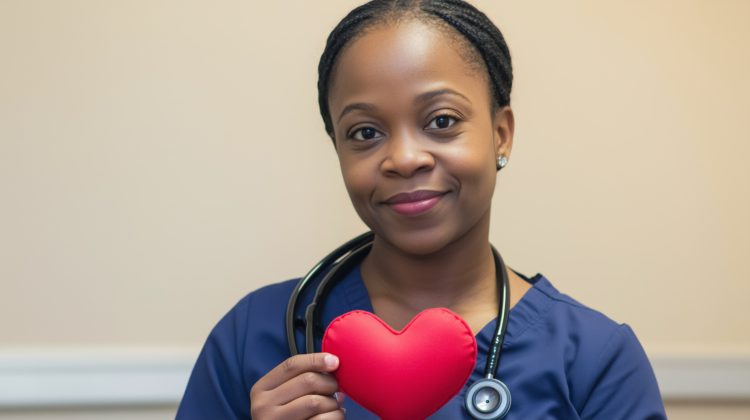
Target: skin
x,y
409,114
298,389
442,257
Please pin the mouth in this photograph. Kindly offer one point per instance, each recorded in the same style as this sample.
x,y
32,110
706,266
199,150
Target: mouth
x,y
409,204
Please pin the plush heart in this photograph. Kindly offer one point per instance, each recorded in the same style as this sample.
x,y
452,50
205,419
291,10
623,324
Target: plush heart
x,y
402,375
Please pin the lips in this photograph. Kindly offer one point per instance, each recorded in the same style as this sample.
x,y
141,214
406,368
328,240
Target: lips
x,y
413,203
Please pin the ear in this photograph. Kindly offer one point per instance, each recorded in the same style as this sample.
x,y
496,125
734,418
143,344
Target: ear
x,y
503,125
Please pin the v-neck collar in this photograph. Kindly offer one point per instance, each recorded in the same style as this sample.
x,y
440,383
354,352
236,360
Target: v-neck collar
x,y
351,294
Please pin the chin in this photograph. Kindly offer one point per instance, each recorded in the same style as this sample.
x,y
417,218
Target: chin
x,y
422,242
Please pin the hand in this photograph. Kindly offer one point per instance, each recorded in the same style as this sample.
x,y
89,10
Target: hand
x,y
298,390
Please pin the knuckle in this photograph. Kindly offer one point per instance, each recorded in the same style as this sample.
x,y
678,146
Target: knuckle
x,y
289,365
316,361
308,379
257,402
313,402
256,390
258,410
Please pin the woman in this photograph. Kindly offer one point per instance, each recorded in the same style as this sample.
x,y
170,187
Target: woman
x,y
415,96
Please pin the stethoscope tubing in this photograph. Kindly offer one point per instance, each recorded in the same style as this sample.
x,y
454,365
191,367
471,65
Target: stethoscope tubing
x,y
315,309
493,359
356,247
312,275
346,257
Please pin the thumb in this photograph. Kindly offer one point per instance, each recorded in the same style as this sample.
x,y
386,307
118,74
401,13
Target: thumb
x,y
330,362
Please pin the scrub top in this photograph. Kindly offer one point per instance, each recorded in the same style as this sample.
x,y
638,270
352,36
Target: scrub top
x,y
560,359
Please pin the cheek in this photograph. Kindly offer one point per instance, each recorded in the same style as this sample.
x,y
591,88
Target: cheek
x,y
476,171
478,189
359,182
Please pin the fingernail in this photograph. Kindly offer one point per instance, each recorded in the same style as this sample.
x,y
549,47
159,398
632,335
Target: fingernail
x,y
340,398
331,361
343,409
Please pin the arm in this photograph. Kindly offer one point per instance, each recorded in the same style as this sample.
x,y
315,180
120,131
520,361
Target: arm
x,y
296,389
217,388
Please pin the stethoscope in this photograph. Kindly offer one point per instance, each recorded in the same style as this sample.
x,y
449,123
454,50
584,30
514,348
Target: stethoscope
x,y
486,399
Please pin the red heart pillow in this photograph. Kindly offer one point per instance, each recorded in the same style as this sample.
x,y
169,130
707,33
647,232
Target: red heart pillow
x,y
402,375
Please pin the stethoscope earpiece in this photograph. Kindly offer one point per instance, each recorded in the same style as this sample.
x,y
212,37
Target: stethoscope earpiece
x,y
487,399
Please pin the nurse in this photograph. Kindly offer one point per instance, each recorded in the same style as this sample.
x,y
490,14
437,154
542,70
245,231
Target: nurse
x,y
415,96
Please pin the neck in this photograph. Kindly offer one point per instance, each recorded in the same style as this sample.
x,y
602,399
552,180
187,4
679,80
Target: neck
x,y
459,277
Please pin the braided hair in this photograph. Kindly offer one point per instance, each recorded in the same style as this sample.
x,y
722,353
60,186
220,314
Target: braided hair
x,y
487,47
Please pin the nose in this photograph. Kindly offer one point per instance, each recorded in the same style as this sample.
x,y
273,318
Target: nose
x,y
406,156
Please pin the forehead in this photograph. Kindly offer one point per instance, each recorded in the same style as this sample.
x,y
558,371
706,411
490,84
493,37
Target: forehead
x,y
406,58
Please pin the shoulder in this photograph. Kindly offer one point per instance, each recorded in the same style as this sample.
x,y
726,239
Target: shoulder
x,y
597,355
272,294
255,310
260,313
245,344
570,316
587,334
262,342
270,299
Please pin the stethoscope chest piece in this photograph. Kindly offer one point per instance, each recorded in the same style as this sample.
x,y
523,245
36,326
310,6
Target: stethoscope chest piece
x,y
487,399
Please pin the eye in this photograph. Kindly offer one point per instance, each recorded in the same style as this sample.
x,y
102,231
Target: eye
x,y
441,122
366,133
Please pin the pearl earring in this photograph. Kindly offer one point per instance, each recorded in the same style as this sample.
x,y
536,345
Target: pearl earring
x,y
501,162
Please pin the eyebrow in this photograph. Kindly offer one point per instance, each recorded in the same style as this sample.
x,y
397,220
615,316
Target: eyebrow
x,y
360,106
424,97
435,93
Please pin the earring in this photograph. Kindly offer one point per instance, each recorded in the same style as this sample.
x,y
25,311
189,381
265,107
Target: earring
x,y
501,162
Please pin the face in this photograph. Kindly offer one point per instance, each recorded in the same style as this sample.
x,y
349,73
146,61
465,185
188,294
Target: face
x,y
416,138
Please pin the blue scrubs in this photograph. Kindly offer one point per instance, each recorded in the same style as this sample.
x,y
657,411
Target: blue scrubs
x,y
560,359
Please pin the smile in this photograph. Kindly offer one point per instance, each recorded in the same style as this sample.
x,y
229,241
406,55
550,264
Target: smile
x,y
410,204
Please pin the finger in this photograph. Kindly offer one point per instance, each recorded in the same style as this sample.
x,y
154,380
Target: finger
x,y
331,415
309,406
308,383
340,397
296,365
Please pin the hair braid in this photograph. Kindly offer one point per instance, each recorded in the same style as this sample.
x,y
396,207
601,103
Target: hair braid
x,y
494,52
475,27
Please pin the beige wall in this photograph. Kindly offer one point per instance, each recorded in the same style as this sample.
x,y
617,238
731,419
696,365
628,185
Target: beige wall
x,y
160,159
